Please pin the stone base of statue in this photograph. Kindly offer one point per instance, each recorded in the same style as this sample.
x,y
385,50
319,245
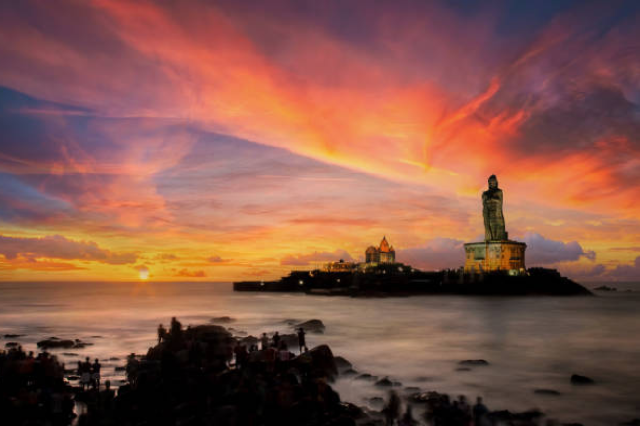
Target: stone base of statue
x,y
495,255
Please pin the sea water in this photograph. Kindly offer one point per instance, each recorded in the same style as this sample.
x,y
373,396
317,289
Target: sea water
x,y
530,342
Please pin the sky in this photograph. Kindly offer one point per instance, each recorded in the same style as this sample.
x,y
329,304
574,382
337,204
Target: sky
x,y
239,140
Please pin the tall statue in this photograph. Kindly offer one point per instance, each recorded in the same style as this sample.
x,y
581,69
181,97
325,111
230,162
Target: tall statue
x,y
492,212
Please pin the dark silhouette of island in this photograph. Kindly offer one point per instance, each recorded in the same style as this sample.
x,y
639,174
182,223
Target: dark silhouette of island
x,y
402,280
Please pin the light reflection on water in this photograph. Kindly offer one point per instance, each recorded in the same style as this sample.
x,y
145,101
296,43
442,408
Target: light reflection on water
x,y
531,343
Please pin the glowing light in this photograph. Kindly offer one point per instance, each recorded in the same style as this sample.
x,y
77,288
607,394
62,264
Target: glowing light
x,y
143,273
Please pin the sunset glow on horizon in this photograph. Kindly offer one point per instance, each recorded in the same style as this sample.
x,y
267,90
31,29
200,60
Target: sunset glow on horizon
x,y
214,141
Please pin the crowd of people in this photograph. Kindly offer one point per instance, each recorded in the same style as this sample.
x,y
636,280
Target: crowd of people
x,y
89,374
33,390
274,351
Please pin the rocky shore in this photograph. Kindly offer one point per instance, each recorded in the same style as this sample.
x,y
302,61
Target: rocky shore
x,y
197,376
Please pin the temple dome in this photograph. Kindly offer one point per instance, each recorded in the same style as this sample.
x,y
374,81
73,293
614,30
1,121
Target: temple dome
x,y
371,249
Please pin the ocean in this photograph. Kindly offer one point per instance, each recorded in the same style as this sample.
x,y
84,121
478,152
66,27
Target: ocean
x,y
530,342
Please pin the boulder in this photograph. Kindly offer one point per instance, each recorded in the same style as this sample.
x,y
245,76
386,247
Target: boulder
x,y
12,344
547,392
312,326
55,343
577,379
13,336
349,372
249,341
222,320
382,383
368,377
376,401
319,362
342,364
473,362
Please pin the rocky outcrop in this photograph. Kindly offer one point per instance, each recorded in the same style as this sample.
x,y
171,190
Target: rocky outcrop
x,y
473,362
312,326
577,379
55,343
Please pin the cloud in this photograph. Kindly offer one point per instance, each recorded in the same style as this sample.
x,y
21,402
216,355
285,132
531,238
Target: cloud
x,y
544,251
626,272
166,257
215,259
190,273
435,254
59,247
306,259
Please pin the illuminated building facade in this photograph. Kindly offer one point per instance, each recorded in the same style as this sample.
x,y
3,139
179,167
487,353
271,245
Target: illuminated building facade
x,y
383,254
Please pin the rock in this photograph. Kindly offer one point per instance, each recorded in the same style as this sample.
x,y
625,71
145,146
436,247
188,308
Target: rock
x,y
312,326
114,358
376,401
249,341
319,361
342,364
351,411
412,389
13,336
55,343
426,397
605,288
368,377
12,344
290,321
384,383
96,337
121,368
634,422
70,354
507,417
222,320
546,392
396,383
73,378
473,362
349,372
577,379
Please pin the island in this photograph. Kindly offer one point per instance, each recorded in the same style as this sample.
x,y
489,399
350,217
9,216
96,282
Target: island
x,y
495,266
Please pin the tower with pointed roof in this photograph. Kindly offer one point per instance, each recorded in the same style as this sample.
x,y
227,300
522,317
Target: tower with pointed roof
x,y
382,254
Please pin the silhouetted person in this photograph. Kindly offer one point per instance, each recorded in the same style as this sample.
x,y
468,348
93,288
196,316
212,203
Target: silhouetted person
x,y
276,340
407,418
241,355
85,376
480,413
264,341
301,339
392,410
176,329
162,333
95,376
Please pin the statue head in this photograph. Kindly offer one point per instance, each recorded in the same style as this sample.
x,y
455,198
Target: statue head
x,y
493,182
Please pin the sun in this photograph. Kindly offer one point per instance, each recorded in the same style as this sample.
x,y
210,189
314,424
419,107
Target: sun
x,y
143,273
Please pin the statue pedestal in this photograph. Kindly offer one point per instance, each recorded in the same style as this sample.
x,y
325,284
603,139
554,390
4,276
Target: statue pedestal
x,y
498,255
